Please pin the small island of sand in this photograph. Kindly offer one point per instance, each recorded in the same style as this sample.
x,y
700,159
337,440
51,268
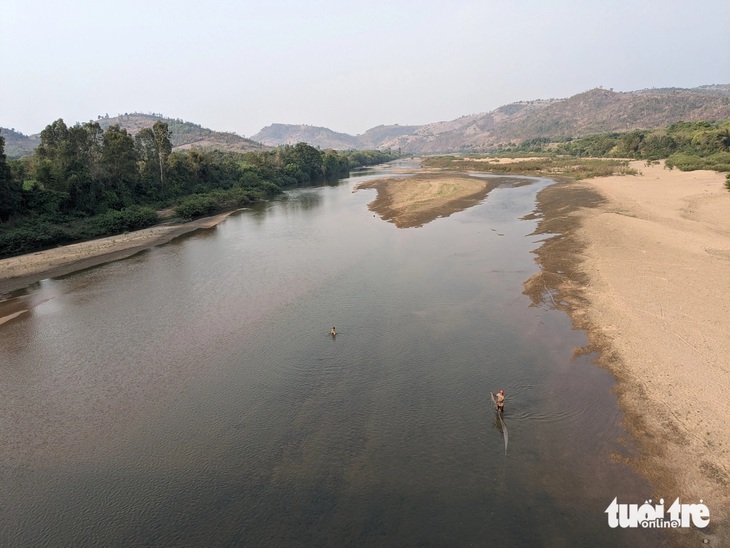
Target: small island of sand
x,y
414,201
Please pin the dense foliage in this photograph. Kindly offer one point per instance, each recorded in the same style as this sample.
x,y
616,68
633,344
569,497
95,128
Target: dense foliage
x,y
685,145
577,168
84,181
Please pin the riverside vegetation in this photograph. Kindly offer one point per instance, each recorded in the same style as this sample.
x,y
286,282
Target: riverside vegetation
x,y
688,146
84,182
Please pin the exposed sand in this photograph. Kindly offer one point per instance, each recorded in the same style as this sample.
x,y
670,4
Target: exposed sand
x,y
23,270
642,263
414,201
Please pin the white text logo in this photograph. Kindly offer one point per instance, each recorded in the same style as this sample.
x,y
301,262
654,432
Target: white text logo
x,y
650,517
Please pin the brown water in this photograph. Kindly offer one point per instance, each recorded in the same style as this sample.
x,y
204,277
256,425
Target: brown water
x,y
192,394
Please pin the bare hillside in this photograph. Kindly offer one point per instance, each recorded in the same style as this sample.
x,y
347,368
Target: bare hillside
x,y
591,112
287,134
17,144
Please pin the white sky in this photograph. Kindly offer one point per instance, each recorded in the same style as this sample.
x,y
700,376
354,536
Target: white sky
x,y
241,65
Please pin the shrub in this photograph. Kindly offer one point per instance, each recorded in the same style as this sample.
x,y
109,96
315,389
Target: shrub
x,y
131,218
196,206
720,161
29,238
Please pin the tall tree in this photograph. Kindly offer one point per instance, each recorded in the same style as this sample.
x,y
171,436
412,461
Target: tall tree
x,y
164,147
144,143
9,191
119,160
154,148
53,156
84,173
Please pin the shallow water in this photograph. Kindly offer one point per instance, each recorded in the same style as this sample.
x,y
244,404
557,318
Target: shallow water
x,y
192,394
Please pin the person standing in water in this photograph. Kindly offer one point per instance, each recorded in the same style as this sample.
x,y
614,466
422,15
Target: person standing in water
x,y
333,332
499,398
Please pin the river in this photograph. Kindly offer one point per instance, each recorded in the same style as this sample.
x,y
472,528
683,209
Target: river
x,y
192,394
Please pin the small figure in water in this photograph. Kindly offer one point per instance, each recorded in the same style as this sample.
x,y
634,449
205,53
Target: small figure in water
x,y
333,332
499,397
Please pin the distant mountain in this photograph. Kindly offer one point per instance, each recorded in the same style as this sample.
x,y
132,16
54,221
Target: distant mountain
x,y
184,135
372,138
286,134
594,111
17,144
322,137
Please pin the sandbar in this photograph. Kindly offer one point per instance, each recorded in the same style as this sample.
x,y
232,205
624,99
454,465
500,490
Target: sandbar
x,y
642,264
413,201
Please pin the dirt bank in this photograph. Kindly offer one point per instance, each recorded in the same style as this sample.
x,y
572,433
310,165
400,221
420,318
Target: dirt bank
x,y
23,270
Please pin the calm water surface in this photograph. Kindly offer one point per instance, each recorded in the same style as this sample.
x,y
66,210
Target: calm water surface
x,y
192,394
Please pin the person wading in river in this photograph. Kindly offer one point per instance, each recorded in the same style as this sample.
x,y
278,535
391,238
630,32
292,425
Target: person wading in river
x,y
499,398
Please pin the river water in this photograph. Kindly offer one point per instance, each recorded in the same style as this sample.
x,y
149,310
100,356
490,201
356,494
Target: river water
x,y
192,394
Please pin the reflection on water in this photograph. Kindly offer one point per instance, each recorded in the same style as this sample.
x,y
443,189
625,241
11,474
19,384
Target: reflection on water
x,y
192,394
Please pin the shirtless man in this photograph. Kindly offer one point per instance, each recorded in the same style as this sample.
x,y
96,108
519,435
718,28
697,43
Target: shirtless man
x,y
499,397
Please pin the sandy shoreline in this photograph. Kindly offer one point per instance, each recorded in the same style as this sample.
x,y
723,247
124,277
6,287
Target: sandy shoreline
x,y
642,264
23,270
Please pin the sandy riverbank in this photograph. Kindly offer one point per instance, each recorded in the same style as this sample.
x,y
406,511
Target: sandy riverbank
x,y
23,270
414,201
642,263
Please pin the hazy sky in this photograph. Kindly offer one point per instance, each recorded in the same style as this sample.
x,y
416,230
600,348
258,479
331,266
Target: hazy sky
x,y
241,65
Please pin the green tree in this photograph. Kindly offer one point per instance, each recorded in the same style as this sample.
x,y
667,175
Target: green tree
x,y
52,156
154,148
163,145
148,163
9,190
334,165
119,160
301,162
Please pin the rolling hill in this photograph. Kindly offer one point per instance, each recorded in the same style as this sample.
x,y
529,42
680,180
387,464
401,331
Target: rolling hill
x,y
594,111
184,134
287,134
17,144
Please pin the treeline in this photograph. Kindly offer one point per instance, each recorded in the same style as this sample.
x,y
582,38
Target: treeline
x,y
548,164
685,145
84,182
